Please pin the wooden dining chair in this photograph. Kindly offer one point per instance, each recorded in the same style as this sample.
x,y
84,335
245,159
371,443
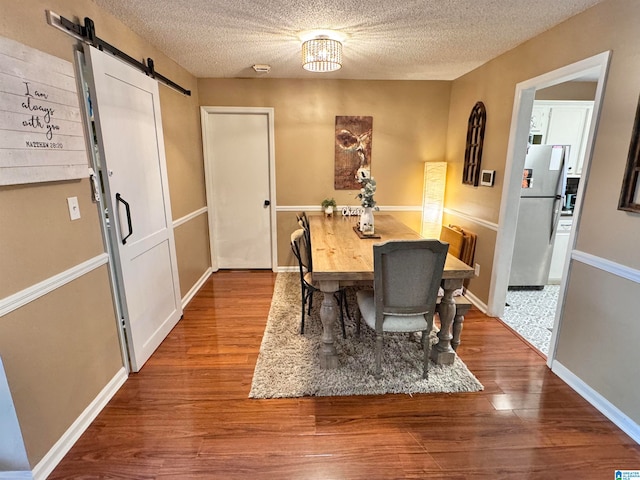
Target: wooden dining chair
x,y
302,251
303,221
407,274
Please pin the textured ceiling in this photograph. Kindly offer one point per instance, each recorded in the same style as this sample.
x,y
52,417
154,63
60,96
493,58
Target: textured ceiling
x,y
383,40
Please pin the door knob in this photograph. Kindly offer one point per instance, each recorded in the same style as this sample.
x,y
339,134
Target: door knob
x,y
267,203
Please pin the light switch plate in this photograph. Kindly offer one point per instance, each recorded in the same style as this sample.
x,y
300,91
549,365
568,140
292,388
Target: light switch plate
x,y
74,208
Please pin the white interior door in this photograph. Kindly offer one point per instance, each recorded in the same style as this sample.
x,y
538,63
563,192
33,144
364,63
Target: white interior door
x,y
128,125
238,151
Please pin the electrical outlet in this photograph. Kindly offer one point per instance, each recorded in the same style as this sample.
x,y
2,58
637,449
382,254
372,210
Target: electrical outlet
x,y
477,269
74,208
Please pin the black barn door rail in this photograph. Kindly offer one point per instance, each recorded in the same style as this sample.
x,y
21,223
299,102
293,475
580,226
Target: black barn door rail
x,y
88,34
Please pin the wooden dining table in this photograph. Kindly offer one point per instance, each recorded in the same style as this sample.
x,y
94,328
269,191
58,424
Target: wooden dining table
x,y
342,258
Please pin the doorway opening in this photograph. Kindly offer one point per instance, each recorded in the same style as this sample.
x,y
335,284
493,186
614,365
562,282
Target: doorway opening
x,y
594,69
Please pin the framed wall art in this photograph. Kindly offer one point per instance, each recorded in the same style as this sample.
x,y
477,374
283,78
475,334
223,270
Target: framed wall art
x,y
353,150
475,142
630,193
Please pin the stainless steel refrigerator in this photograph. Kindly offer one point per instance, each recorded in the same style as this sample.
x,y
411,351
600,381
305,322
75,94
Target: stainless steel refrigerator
x,y
543,183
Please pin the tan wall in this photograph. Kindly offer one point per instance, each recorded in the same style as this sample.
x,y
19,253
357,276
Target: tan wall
x,y
485,245
183,148
568,91
603,230
37,237
192,247
61,350
593,345
409,128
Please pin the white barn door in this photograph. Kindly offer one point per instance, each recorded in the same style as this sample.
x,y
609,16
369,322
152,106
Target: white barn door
x,y
126,111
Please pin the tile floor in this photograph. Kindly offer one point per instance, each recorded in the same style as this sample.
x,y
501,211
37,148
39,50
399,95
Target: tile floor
x,y
531,313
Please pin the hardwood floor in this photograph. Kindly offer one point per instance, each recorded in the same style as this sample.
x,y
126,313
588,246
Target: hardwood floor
x,y
187,413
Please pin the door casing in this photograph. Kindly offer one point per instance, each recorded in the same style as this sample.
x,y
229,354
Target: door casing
x,y
205,112
596,67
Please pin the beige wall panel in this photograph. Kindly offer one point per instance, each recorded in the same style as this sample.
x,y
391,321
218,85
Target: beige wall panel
x,y
192,250
598,337
485,246
37,237
568,91
494,83
59,352
287,224
603,230
409,128
183,148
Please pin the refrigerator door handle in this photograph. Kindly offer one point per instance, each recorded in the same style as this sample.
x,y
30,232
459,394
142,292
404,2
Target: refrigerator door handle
x,y
555,217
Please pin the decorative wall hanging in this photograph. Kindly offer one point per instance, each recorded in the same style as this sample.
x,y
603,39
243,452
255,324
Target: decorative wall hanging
x,y
353,150
630,193
475,140
41,129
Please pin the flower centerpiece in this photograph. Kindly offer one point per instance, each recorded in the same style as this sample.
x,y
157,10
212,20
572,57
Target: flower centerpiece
x,y
366,200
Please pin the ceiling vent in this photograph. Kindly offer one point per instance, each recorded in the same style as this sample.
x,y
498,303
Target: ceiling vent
x,y
261,68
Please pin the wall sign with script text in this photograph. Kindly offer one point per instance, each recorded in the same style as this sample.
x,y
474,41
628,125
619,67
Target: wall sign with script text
x,y
41,131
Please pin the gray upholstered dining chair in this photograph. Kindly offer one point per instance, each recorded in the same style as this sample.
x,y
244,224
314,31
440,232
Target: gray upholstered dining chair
x,y
300,246
407,274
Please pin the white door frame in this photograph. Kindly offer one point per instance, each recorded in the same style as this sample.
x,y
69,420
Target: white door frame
x,y
596,66
204,116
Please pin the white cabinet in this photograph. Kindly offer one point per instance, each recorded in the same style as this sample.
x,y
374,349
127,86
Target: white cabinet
x,y
564,123
540,120
560,248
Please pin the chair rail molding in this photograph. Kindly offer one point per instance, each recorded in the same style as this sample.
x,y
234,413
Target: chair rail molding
x,y
190,216
21,298
318,208
608,266
479,221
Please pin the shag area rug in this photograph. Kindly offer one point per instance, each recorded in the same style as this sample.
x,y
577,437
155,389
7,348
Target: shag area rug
x,y
288,364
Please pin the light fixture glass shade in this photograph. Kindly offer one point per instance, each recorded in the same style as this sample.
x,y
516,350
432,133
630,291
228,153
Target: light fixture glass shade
x,y
321,55
435,176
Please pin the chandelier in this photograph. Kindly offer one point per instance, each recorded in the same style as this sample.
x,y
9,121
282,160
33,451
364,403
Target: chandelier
x,y
321,54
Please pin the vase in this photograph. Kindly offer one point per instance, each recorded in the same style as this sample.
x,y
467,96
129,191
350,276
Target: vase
x,y
366,221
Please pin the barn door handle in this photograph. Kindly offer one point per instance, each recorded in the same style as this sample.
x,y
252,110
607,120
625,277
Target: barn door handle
x,y
267,203
126,206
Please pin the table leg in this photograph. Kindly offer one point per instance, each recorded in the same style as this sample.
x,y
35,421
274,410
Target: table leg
x,y
442,353
458,320
328,317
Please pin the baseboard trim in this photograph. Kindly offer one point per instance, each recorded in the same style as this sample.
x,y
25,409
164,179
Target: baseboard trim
x,y
190,216
197,286
287,269
44,468
605,407
476,220
608,266
480,305
23,297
